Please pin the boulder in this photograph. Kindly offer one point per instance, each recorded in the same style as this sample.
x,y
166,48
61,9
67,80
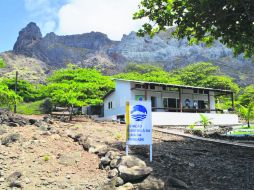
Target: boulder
x,y
132,169
131,161
112,173
105,161
114,163
135,173
119,181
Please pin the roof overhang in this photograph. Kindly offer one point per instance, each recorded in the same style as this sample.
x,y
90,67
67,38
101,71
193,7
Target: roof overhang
x,y
177,86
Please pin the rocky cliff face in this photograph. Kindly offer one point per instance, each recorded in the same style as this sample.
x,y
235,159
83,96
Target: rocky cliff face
x,y
97,50
57,51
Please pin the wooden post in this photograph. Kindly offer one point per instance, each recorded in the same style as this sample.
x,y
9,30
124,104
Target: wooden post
x,y
180,99
145,95
209,102
233,103
16,89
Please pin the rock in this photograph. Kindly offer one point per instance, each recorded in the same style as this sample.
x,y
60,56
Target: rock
x,y
112,154
135,173
119,181
151,183
112,173
105,161
174,182
32,121
114,163
16,184
127,186
132,169
13,177
12,124
131,161
69,159
11,138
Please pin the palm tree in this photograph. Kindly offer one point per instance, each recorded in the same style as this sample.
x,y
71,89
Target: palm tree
x,y
247,112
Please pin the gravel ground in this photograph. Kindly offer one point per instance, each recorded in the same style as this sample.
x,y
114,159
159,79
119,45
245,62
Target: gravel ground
x,y
201,165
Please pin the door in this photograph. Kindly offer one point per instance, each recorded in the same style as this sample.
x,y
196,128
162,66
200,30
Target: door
x,y
153,103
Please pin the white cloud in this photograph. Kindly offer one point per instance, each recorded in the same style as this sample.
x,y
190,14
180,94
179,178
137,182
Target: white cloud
x,y
113,17
44,13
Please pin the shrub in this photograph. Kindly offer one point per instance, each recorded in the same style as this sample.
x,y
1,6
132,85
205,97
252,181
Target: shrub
x,y
47,106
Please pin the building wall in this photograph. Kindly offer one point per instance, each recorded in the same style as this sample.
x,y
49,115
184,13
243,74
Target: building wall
x,y
118,98
186,119
124,93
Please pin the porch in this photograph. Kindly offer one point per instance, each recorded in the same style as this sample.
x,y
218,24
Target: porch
x,y
180,98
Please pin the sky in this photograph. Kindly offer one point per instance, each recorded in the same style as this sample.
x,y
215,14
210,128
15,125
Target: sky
x,y
65,17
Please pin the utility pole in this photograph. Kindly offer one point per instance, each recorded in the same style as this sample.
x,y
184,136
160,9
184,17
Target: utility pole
x,y
16,89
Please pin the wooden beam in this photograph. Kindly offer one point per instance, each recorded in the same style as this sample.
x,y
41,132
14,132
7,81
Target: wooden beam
x,y
180,99
209,102
232,99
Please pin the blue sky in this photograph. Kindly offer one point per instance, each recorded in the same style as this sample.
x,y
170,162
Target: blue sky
x,y
65,17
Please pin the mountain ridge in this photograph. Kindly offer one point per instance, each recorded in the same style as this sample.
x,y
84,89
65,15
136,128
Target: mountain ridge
x,y
96,50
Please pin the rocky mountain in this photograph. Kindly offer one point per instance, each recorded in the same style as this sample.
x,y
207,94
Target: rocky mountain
x,y
96,50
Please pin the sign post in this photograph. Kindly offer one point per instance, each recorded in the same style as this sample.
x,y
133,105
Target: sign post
x,y
138,120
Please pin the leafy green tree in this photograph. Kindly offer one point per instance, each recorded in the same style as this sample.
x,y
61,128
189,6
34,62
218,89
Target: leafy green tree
x,y
78,87
247,112
205,75
7,96
24,89
247,95
141,68
230,22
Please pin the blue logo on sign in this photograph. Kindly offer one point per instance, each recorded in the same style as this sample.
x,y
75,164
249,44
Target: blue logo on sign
x,y
139,113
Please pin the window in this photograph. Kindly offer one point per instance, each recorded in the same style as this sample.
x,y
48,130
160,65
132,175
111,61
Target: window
x,y
206,91
171,103
138,86
195,91
110,105
164,88
152,86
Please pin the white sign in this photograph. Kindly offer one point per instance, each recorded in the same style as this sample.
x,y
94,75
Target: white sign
x,y
138,124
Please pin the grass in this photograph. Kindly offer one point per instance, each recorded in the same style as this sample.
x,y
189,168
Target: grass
x,y
245,127
31,108
46,157
242,133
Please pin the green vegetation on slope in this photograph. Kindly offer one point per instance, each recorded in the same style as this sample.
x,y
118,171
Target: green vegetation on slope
x,y
2,63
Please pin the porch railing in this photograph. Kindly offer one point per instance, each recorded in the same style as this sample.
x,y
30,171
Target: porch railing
x,y
190,110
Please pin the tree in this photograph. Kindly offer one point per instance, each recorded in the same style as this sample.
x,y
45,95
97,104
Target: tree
x,y
231,22
247,112
247,95
7,96
78,87
153,76
141,68
24,89
205,74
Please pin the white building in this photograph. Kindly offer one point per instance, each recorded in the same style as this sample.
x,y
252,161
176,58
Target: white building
x,y
171,104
